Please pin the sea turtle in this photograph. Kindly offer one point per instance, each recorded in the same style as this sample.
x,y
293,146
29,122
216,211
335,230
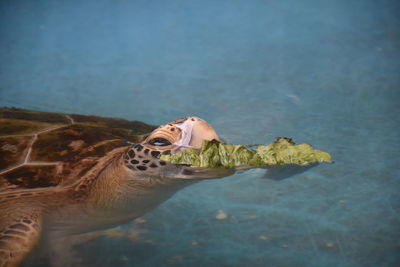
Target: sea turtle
x,y
63,174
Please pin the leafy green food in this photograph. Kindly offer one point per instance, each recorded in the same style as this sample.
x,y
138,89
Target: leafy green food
x,y
282,151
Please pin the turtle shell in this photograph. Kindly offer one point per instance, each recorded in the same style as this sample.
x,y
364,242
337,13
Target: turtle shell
x,y
42,149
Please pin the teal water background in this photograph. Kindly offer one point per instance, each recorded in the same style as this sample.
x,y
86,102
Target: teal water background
x,y
321,72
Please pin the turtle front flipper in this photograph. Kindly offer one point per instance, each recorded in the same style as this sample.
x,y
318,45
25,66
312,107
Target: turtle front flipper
x,y
20,229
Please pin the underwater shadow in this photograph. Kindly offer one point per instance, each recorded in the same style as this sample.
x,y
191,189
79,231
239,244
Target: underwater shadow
x,y
278,173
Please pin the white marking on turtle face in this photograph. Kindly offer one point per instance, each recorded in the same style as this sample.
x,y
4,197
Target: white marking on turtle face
x,y
194,131
186,128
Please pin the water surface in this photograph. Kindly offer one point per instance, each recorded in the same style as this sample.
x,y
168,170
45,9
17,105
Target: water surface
x,y
322,72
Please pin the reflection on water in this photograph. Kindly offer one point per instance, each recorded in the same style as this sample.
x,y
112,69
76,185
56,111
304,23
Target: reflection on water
x,y
324,73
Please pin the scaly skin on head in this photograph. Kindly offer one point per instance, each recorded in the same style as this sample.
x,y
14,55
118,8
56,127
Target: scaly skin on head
x,y
170,139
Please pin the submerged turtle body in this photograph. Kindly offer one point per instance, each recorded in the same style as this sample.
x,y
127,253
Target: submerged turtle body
x,y
41,149
63,174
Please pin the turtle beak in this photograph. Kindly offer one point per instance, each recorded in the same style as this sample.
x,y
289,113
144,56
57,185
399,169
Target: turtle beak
x,y
194,131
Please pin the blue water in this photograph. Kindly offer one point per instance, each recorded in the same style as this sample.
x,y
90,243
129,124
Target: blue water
x,y
322,72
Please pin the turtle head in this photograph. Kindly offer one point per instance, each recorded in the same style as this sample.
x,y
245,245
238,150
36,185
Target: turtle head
x,y
181,134
171,138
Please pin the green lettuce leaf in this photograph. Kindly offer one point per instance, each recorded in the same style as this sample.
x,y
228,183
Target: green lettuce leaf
x,y
282,151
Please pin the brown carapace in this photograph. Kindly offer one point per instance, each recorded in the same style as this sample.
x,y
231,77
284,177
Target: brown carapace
x,y
41,149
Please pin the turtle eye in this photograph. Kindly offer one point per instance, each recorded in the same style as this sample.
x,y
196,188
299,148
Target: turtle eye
x,y
159,142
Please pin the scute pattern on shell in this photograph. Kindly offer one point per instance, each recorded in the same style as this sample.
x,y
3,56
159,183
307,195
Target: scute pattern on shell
x,y
41,149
